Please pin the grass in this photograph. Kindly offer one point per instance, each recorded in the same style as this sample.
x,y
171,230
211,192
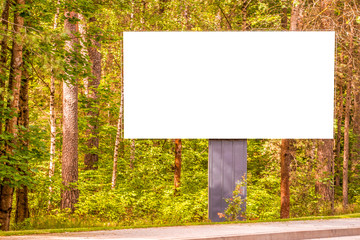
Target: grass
x,y
98,228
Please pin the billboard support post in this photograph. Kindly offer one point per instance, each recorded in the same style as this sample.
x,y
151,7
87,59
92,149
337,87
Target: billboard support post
x,y
227,168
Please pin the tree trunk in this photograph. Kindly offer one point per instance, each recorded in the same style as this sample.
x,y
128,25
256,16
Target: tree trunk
x,y
116,149
52,136
92,158
119,137
132,16
295,13
3,59
355,153
287,145
52,129
187,16
22,206
6,197
338,134
6,192
347,123
325,169
356,128
177,172
286,156
218,20
324,172
346,143
52,117
70,193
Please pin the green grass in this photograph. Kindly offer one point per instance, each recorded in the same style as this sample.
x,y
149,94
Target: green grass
x,y
83,229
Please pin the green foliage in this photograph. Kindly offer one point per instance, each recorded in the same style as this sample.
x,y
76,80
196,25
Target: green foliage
x,y
263,200
144,194
16,168
263,184
236,204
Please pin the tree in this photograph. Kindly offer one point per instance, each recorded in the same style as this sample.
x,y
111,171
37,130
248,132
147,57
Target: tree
x,y
347,125
324,183
6,189
52,115
22,205
286,156
119,135
3,60
287,145
339,115
91,84
355,152
70,193
325,168
295,15
177,165
284,17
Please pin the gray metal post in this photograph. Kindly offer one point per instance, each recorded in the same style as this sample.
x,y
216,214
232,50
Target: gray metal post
x,y
227,166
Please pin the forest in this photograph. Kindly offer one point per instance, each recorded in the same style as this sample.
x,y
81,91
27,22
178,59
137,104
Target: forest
x,y
65,163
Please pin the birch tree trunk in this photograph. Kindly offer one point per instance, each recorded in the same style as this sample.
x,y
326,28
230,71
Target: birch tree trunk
x,y
119,136
295,13
70,193
6,191
116,149
52,117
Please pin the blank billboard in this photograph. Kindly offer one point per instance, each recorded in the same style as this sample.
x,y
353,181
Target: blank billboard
x,y
228,85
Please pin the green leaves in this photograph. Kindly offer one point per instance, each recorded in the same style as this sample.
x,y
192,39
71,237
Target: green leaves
x,y
236,204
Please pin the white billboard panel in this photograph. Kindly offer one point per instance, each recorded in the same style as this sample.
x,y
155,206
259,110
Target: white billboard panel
x,y
228,85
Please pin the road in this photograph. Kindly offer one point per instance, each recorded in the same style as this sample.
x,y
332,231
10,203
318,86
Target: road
x,y
343,229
